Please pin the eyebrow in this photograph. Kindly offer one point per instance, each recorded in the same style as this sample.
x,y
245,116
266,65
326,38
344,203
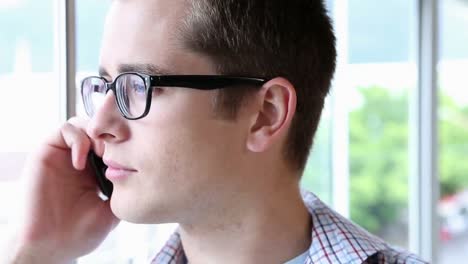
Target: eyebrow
x,y
149,69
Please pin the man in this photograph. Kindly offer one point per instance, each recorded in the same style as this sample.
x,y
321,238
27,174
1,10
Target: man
x,y
204,111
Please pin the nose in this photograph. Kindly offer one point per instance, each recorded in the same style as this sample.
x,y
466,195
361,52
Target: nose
x,y
108,124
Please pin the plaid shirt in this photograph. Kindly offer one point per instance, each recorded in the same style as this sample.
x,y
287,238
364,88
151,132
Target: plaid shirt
x,y
335,239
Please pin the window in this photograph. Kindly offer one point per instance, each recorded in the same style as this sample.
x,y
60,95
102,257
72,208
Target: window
x,y
453,131
376,73
29,101
380,71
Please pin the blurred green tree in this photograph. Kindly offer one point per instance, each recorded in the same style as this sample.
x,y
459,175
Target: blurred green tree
x,y
378,158
379,155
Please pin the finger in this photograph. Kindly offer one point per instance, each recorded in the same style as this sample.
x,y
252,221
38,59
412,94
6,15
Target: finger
x,y
57,140
79,122
96,145
79,143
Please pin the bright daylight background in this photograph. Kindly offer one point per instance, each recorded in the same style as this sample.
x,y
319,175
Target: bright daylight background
x,y
380,74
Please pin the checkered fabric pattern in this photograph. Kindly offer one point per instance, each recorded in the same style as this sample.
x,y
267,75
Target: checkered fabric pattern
x,y
335,239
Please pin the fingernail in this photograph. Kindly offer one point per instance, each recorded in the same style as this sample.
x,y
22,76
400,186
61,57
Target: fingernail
x,y
76,157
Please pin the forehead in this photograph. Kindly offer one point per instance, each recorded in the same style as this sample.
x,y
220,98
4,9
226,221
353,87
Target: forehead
x,y
148,32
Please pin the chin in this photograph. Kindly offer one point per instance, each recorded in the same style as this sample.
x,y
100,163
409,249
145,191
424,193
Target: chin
x,y
137,211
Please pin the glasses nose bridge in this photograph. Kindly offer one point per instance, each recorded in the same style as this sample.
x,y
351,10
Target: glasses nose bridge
x,y
110,86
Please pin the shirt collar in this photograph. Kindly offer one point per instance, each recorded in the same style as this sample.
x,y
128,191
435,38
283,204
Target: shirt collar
x,y
335,239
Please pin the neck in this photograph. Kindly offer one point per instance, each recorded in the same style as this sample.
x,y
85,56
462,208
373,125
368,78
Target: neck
x,y
271,227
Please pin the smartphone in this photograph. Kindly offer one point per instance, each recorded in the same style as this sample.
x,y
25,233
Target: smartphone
x,y
100,168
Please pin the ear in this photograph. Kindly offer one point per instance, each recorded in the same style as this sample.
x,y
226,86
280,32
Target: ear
x,y
275,108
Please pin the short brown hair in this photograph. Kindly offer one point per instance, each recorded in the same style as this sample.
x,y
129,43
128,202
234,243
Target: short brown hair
x,y
293,39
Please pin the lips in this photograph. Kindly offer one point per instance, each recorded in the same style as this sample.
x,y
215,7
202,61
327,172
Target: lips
x,y
117,166
116,171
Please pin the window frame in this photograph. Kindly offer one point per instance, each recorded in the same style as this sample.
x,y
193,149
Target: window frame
x,y
65,40
424,175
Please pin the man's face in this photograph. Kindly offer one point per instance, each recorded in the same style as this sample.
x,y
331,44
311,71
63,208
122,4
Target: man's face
x,y
182,153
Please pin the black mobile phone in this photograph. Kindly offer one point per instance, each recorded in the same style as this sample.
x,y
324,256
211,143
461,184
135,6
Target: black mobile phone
x,y
100,168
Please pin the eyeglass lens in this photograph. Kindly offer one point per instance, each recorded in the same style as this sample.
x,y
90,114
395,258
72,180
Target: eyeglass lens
x,y
131,94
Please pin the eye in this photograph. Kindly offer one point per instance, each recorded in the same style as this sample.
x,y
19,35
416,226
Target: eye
x,y
138,87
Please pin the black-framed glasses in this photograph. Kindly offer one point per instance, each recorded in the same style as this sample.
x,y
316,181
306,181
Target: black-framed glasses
x,y
133,91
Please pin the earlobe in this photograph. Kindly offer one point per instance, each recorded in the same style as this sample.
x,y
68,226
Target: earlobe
x,y
275,109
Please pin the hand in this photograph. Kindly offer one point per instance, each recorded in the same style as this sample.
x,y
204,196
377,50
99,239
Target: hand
x,y
65,218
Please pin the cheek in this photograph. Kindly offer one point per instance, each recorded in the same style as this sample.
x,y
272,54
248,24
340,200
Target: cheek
x,y
189,152
183,164
180,145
